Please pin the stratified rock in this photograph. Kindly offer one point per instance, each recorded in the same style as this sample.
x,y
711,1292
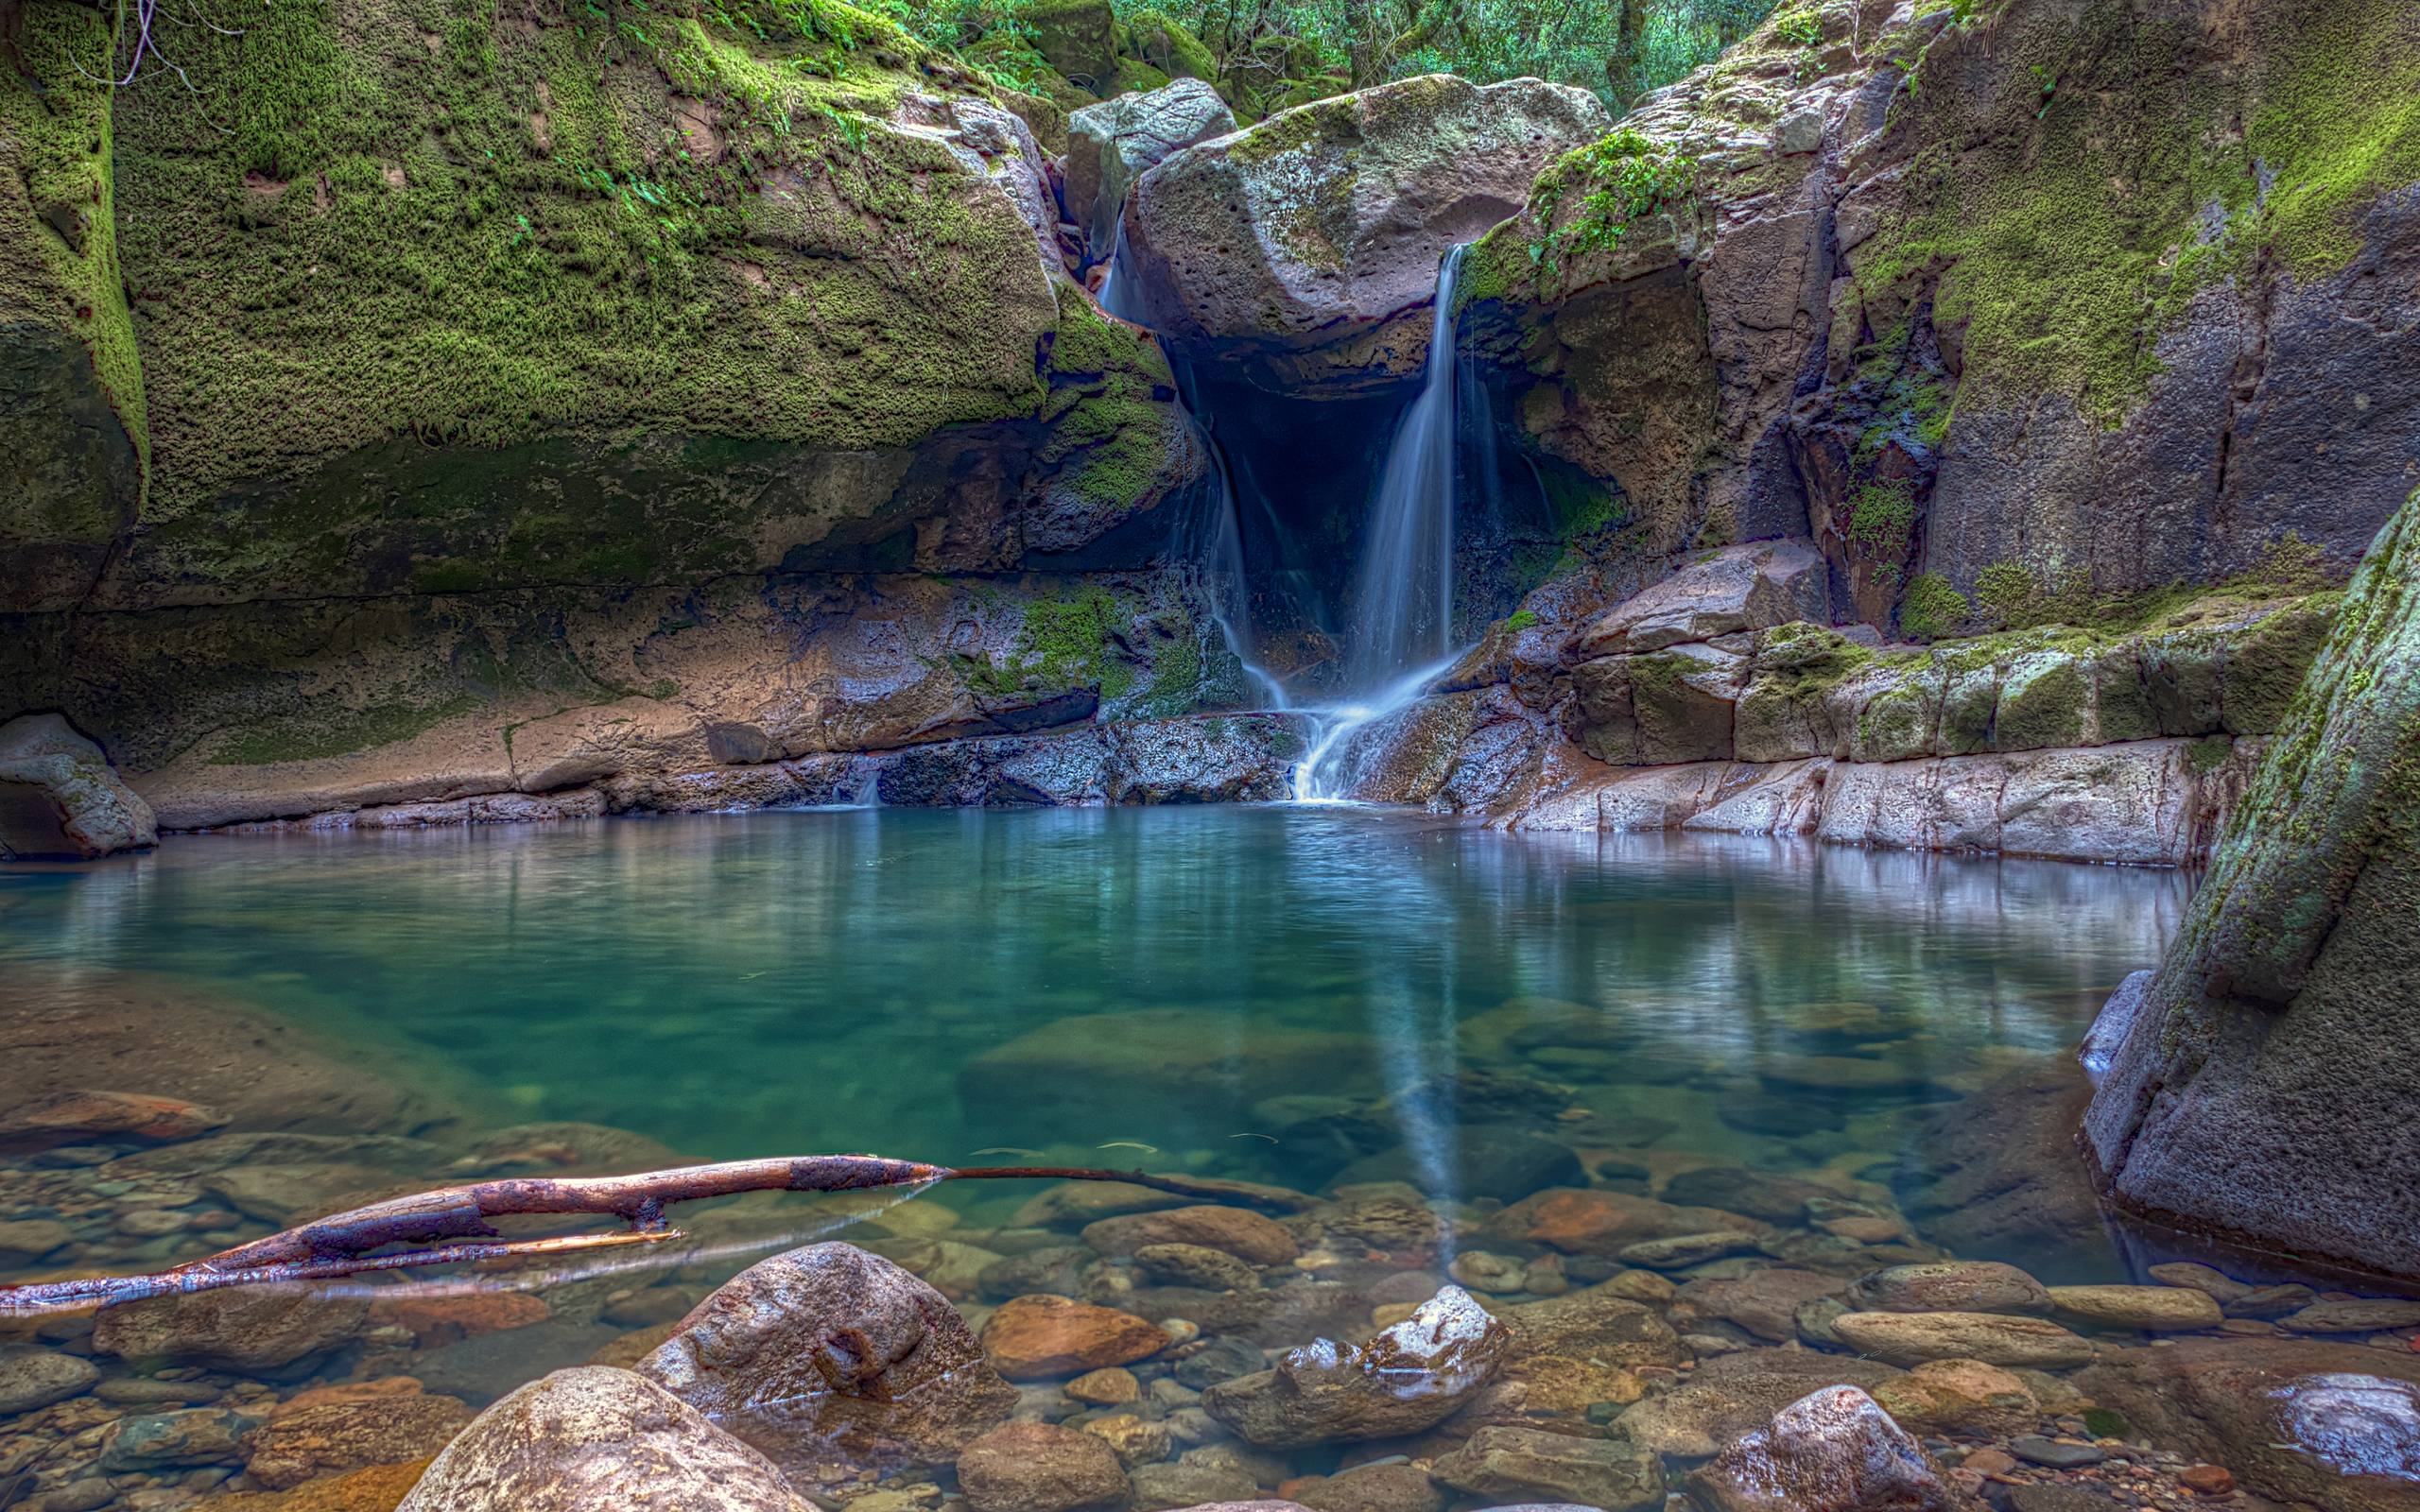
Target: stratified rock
x,y
2258,1089
58,794
32,1378
1835,1450
1246,1235
1407,1378
1110,144
592,1438
2303,1422
1751,587
1949,1286
831,1360
352,1433
1995,1338
246,1330
1332,216
1041,1468
2153,1308
1034,1338
1507,1464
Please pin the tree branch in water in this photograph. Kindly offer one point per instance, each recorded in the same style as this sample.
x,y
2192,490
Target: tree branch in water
x,y
455,1224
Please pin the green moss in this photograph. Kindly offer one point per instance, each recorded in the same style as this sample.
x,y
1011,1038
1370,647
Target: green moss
x,y
1520,619
2102,1423
2075,215
1593,197
2208,754
466,231
1882,517
317,737
1931,609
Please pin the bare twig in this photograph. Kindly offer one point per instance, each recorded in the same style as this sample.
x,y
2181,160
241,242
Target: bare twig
x,y
455,1224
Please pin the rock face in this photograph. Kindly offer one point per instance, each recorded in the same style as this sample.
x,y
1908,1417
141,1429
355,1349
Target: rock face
x,y
597,1436
1326,219
830,1359
2259,1082
1409,1378
1836,1451
1112,144
58,795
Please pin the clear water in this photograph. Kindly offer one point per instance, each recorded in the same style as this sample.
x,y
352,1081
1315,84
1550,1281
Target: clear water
x,y
790,982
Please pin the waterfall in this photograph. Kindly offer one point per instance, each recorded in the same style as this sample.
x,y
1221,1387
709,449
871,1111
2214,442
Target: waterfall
x,y
1402,620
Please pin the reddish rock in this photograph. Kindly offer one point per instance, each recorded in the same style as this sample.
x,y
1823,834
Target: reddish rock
x,y
1041,1468
81,1117
2207,1480
350,1432
1989,1462
1246,1235
1031,1338
438,1320
375,1489
1593,1222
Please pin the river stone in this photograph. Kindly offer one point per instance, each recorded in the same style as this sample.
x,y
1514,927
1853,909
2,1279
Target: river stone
x,y
1333,216
1960,1396
2365,1314
1511,1464
1592,1221
1603,1322
594,1436
1246,1235
1096,1076
1397,1487
1034,1338
350,1433
2202,1279
1683,1250
1763,1195
1503,1162
1833,1451
1110,144
1950,1286
2309,1421
1995,1338
1549,1391
242,1329
1997,1177
196,1436
830,1361
1161,1488
1737,1393
83,1117
1407,1378
2152,1309
1220,1358
1765,1302
32,1378
1196,1265
1041,1468
58,794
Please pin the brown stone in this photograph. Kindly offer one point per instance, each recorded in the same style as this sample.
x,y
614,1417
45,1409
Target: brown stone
x,y
2207,1480
1237,1232
345,1433
448,1319
832,1360
81,1117
240,1328
1835,1450
1041,1468
1105,1388
1034,1338
377,1489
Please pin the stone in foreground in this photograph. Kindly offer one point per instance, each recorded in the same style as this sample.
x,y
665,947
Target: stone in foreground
x,y
831,1360
1409,1378
593,1438
1506,1464
1041,1468
1836,1451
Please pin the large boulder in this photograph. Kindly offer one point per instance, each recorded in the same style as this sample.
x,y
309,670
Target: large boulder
x,y
1736,588
1835,1450
2260,1079
1112,144
1322,221
58,794
596,1437
831,1360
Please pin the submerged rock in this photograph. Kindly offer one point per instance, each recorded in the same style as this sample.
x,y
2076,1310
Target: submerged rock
x,y
1410,1376
1950,1286
1736,1394
831,1360
593,1437
1246,1235
350,1430
1512,1465
1835,1450
2153,1308
32,1378
1041,1468
1034,1338
1605,1322
1995,1338
246,1330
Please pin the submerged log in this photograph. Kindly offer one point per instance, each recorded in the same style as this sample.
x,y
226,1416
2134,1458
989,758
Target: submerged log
x,y
453,1224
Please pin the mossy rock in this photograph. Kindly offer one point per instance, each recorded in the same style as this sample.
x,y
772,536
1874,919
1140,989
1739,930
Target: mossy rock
x,y
1080,40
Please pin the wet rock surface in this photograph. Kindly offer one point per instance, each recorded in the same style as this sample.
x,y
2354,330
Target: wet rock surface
x,y
1407,1378
1833,1451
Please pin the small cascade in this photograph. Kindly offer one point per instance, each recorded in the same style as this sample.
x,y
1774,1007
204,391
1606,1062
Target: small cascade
x,y
1403,609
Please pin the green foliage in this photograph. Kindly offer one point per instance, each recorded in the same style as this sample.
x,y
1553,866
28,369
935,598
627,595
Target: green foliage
x,y
1520,619
1593,196
1069,640
2102,1423
1882,517
1932,608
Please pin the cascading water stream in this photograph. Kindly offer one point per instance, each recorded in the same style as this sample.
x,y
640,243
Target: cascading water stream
x,y
1403,608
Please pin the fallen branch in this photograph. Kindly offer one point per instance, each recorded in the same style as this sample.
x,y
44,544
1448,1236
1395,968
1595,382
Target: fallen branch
x,y
454,1225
